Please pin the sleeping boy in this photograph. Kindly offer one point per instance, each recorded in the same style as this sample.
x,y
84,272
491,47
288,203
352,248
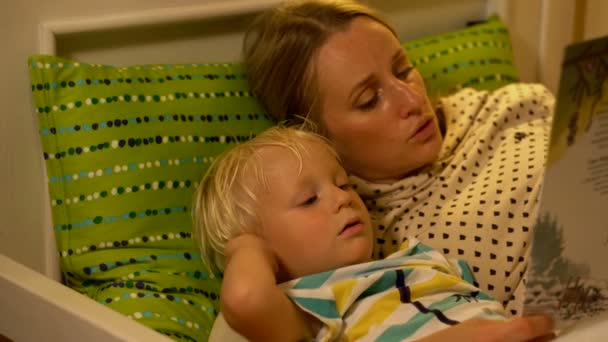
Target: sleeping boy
x,y
294,241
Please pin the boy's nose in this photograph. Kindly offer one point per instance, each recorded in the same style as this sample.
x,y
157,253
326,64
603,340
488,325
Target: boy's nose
x,y
344,198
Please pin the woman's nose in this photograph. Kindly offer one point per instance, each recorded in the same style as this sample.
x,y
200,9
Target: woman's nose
x,y
406,98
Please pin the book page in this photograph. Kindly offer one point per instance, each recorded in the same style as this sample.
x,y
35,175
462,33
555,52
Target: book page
x,y
568,270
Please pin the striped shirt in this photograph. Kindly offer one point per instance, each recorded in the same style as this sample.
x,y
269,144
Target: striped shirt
x,y
408,295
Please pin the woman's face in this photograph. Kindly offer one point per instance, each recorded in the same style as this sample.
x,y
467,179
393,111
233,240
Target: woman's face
x,y
374,105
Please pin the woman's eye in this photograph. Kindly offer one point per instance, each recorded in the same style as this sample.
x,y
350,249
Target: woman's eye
x,y
369,104
404,73
310,201
346,186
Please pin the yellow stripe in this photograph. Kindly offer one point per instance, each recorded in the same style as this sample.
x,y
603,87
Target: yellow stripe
x,y
342,292
376,314
440,282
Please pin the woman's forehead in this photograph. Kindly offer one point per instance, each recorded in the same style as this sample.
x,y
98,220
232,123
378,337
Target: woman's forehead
x,y
353,53
361,33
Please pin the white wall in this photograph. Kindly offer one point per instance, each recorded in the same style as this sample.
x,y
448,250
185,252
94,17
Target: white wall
x,y
596,24
21,199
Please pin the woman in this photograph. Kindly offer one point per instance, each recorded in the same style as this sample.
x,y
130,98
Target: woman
x,y
463,179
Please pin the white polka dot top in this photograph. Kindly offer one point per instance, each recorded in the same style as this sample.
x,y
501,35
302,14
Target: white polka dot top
x,y
478,202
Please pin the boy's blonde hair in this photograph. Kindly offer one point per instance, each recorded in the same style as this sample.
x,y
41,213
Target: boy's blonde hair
x,y
226,200
281,45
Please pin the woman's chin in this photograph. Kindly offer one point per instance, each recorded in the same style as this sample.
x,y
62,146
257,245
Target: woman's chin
x,y
430,150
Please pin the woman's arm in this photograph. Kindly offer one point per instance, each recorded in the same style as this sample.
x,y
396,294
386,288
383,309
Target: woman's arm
x,y
251,302
520,329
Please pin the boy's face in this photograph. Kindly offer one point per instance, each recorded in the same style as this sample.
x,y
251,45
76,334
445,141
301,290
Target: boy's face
x,y
312,220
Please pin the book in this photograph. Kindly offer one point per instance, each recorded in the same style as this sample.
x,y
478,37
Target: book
x,y
568,269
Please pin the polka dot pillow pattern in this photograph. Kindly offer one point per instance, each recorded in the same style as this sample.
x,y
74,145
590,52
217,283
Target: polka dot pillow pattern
x,y
124,149
479,57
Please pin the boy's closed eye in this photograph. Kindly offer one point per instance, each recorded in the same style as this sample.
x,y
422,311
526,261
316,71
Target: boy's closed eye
x,y
309,201
369,102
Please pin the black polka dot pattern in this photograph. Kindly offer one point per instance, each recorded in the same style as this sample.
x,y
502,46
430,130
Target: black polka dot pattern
x,y
479,200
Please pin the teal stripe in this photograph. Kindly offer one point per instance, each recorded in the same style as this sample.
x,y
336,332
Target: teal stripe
x,y
490,78
466,272
126,190
147,119
131,215
314,281
143,98
402,331
484,296
136,142
37,62
420,249
135,79
473,63
447,37
322,307
456,49
132,167
107,266
501,79
384,283
379,266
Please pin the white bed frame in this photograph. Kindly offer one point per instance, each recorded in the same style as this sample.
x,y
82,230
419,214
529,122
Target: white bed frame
x,y
212,31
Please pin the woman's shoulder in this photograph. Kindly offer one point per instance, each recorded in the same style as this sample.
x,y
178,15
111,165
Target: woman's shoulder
x,y
512,92
510,100
494,112
536,92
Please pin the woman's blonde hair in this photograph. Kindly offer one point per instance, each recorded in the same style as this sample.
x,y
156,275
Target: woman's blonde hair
x,y
226,200
281,44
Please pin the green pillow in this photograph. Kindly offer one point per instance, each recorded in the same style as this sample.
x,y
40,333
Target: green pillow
x,y
124,150
479,56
